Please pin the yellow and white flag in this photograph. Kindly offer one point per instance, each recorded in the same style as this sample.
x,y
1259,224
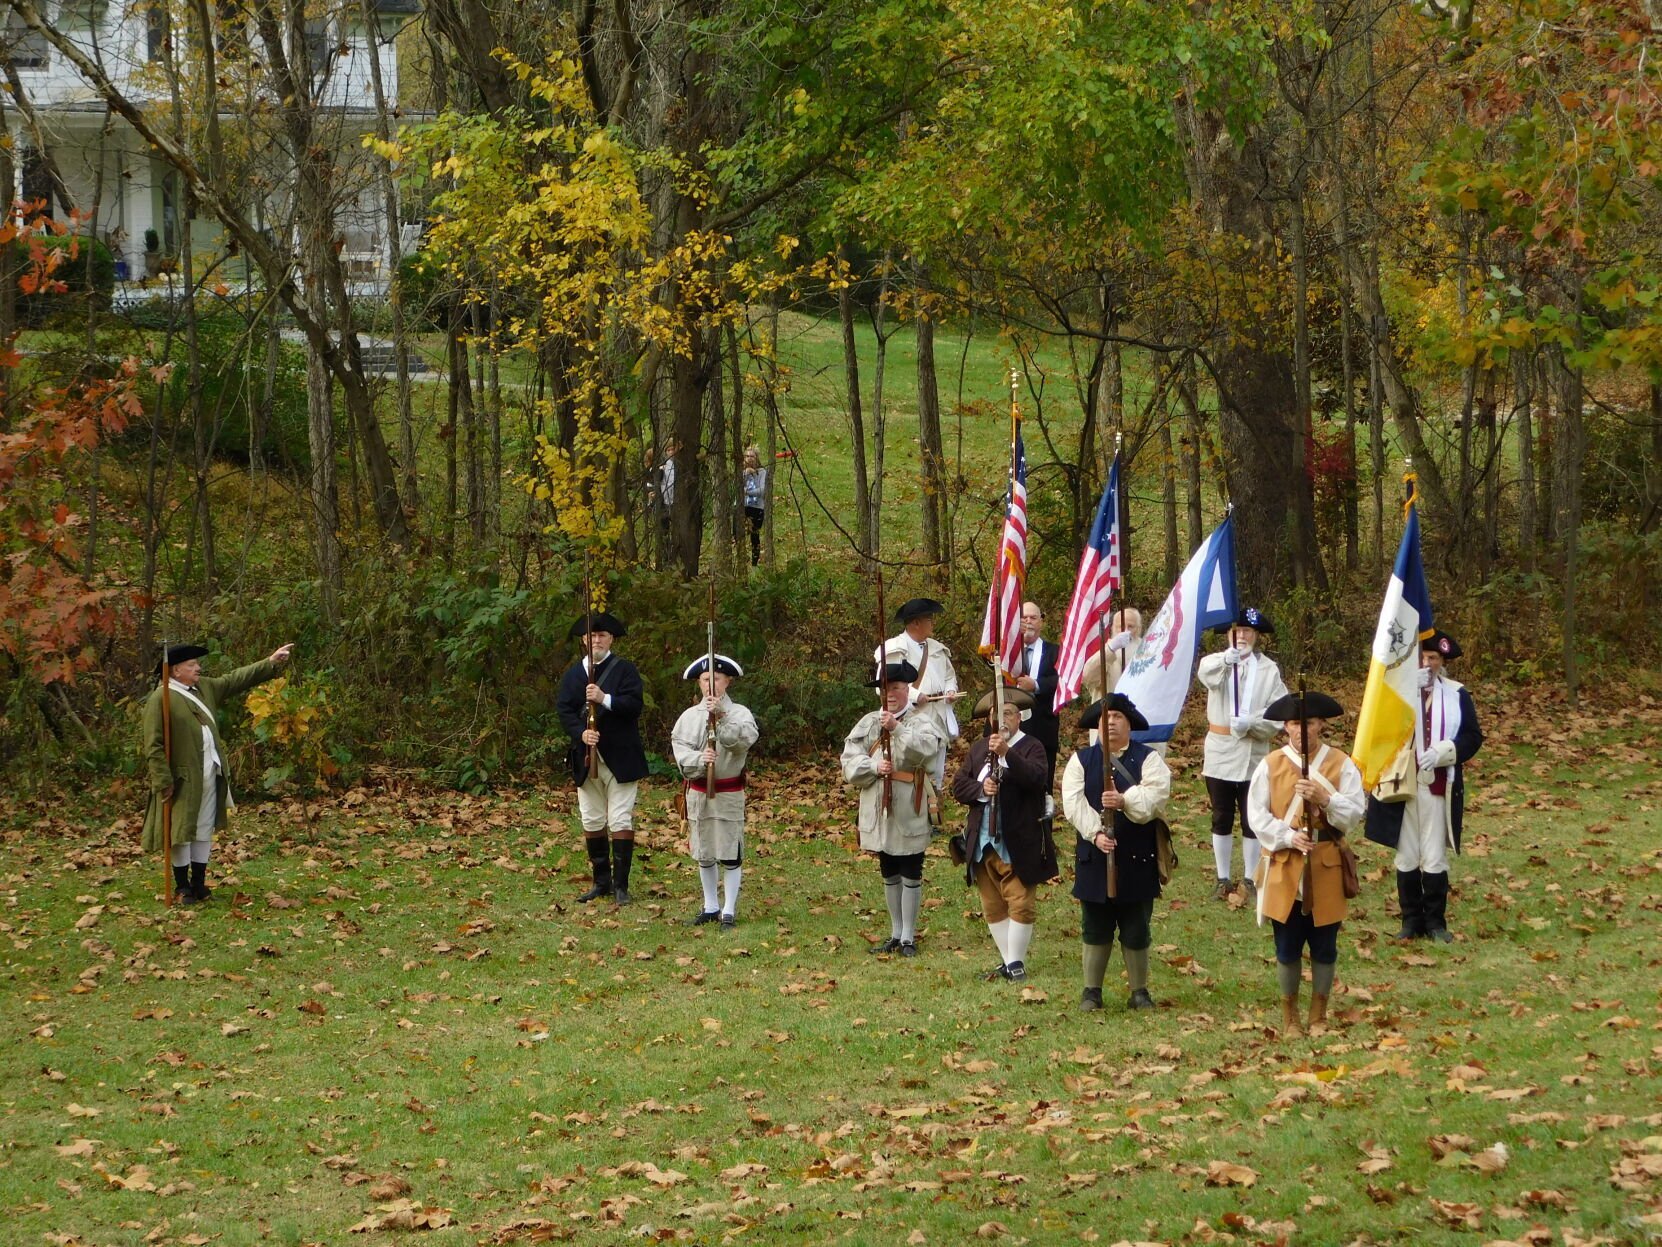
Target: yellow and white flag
x,y
1390,704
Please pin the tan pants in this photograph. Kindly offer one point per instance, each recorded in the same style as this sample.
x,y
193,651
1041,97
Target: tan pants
x,y
1003,894
604,802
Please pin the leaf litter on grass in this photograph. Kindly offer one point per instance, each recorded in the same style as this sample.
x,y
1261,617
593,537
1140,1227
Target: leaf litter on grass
x,y
906,1096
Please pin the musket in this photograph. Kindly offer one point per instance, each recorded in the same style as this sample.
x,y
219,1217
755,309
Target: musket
x,y
886,806
710,721
167,801
588,646
1304,807
1102,741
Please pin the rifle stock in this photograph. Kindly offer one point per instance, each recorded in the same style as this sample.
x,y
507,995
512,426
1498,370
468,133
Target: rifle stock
x,y
710,719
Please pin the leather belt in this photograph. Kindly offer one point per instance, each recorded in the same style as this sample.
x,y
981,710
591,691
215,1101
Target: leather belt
x,y
733,783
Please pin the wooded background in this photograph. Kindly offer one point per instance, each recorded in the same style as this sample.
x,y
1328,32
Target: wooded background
x,y
1274,249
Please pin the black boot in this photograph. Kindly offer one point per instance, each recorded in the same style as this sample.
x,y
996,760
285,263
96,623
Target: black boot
x,y
1436,907
623,854
600,862
182,895
1411,896
199,880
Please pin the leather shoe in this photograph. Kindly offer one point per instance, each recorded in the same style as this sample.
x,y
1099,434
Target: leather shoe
x,y
594,894
1441,936
1140,999
997,973
622,897
729,921
908,950
1016,972
708,915
889,945
1090,1000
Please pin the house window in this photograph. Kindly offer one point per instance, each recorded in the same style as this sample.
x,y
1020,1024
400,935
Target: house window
x,y
39,186
83,14
25,47
155,30
320,49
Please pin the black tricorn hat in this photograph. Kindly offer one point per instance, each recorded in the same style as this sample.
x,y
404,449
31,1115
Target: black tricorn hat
x,y
177,654
1284,709
1117,701
726,666
1440,642
1019,698
896,673
1249,617
599,621
917,608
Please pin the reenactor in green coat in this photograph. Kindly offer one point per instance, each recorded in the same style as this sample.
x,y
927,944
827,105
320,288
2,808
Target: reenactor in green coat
x,y
198,781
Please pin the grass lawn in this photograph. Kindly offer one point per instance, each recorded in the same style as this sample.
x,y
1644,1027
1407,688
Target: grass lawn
x,y
392,1011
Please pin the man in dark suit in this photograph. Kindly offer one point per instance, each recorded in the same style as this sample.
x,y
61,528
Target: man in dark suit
x,y
1009,856
1036,675
599,704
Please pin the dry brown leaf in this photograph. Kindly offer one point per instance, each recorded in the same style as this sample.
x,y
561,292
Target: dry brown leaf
x,y
1460,1216
80,1110
403,1215
1227,1173
991,1229
76,1147
389,1188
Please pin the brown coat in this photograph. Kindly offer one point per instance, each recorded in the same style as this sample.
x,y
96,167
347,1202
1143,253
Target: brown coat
x,y
1284,869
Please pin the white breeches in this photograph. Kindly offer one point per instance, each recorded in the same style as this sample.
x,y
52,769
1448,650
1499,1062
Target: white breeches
x,y
1424,843
603,802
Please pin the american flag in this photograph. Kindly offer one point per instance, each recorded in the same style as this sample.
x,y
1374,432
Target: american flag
x,y
1098,584
1004,596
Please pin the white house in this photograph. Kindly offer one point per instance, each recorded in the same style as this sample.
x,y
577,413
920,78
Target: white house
x,y
123,190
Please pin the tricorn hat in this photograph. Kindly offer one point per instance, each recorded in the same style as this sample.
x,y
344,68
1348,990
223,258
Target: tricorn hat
x,y
1019,698
177,654
917,608
1316,706
1249,617
599,621
724,666
896,673
1116,701
1440,642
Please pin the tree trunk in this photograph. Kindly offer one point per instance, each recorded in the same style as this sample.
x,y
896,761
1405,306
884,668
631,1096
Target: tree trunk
x,y
1523,374
879,417
930,452
1188,388
395,263
1569,457
1348,370
857,424
320,439
1305,544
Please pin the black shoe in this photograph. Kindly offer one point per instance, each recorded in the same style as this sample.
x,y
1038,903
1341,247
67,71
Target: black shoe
x,y
908,949
1016,972
1140,999
729,921
622,897
596,892
199,880
889,945
1440,935
1090,1000
708,915
997,974
186,897
181,886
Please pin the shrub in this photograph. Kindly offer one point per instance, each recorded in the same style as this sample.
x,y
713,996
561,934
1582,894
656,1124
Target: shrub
x,y
85,269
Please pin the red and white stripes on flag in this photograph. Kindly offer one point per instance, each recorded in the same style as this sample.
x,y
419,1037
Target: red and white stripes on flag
x,y
1098,584
1001,629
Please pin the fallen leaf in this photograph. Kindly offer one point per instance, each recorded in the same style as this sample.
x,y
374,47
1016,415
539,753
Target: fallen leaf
x,y
1227,1173
1459,1216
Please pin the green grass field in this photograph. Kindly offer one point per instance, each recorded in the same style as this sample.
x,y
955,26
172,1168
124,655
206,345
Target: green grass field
x,y
393,1014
